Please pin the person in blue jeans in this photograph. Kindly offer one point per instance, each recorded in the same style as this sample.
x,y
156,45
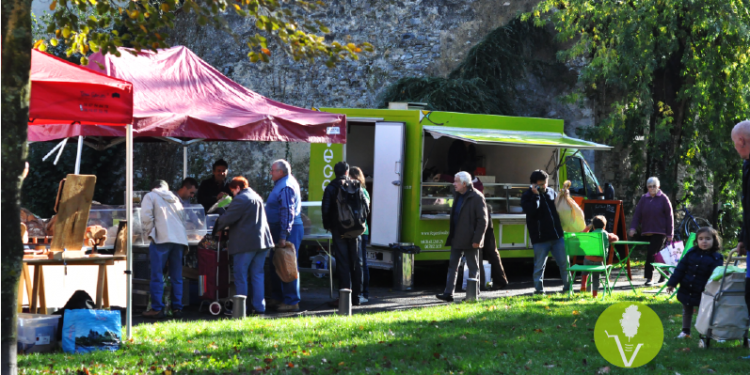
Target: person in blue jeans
x,y
163,218
284,211
249,241
545,229
357,174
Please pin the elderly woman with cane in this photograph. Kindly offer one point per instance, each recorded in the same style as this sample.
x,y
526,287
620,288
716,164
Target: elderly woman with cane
x,y
654,216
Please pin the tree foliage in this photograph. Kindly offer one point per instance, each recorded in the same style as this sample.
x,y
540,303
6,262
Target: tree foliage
x,y
86,26
676,77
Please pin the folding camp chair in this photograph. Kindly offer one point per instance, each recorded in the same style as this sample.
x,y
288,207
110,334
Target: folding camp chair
x,y
587,244
663,269
623,262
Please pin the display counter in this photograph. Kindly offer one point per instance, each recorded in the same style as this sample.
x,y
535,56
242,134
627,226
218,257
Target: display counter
x,y
109,217
503,200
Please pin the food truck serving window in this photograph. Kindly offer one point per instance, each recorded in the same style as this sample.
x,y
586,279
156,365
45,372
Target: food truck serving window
x,y
499,160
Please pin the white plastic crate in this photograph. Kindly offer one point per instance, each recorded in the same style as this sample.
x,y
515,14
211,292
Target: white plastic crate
x,y
37,333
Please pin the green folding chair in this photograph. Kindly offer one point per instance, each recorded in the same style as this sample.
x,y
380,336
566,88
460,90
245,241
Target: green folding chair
x,y
663,268
622,263
587,244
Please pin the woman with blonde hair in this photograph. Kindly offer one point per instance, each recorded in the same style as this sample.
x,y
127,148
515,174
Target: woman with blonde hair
x,y
357,174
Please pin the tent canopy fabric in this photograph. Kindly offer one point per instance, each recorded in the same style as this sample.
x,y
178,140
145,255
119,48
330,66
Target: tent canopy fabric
x,y
180,96
514,138
62,93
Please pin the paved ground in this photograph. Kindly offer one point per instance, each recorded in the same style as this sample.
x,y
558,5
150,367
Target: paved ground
x,y
428,282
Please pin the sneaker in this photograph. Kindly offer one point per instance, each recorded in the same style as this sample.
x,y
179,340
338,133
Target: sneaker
x,y
683,335
154,314
288,308
363,299
177,314
272,303
445,297
648,283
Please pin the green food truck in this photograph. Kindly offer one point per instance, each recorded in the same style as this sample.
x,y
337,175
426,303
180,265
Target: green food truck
x,y
405,152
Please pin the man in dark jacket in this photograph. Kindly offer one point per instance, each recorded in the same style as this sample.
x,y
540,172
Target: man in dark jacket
x,y
346,250
249,240
468,224
214,188
544,227
741,139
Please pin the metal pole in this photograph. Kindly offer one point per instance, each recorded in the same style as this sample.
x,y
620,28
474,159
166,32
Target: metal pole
x,y
129,234
78,155
184,162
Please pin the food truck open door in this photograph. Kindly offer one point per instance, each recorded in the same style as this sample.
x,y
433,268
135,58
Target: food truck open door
x,y
386,184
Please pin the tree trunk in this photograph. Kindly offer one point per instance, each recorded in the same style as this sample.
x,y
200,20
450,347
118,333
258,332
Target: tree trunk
x,y
16,66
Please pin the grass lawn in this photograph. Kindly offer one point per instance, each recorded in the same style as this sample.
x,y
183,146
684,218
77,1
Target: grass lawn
x,y
546,335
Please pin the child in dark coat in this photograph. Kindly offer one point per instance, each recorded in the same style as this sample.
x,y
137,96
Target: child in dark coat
x,y
692,273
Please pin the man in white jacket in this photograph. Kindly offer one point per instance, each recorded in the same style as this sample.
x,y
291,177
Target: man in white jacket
x,y
163,219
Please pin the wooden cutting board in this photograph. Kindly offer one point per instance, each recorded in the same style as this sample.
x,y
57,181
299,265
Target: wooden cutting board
x,y
73,212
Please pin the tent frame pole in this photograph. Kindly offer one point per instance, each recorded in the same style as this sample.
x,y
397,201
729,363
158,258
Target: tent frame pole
x,y
184,162
129,234
78,155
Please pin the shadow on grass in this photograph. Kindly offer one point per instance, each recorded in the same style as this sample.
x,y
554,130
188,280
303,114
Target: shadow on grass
x,y
551,335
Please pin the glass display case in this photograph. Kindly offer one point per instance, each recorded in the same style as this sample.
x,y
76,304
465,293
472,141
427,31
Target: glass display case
x,y
109,217
210,222
437,198
195,223
312,219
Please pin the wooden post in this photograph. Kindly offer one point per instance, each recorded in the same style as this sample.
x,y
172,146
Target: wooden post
x,y
100,285
35,292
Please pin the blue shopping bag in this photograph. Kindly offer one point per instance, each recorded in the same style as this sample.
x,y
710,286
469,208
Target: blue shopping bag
x,y
87,330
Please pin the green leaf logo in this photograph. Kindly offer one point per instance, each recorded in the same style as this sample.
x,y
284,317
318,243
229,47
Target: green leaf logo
x,y
629,334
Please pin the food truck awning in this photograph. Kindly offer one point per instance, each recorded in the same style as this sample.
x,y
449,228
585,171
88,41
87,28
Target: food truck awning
x,y
514,138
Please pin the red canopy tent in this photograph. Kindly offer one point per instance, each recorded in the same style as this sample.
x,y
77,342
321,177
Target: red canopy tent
x,y
67,96
180,97
63,93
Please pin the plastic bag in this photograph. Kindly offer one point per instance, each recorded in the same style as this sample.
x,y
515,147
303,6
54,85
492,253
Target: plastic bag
x,y
487,274
220,206
571,215
719,272
670,254
86,331
285,262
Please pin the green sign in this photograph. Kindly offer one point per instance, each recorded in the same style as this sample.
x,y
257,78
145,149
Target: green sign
x,y
629,334
323,156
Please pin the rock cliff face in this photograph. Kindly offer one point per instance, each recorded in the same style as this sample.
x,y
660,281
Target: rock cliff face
x,y
412,38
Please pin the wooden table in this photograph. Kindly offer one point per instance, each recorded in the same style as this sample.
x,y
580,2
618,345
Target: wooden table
x,y
36,294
